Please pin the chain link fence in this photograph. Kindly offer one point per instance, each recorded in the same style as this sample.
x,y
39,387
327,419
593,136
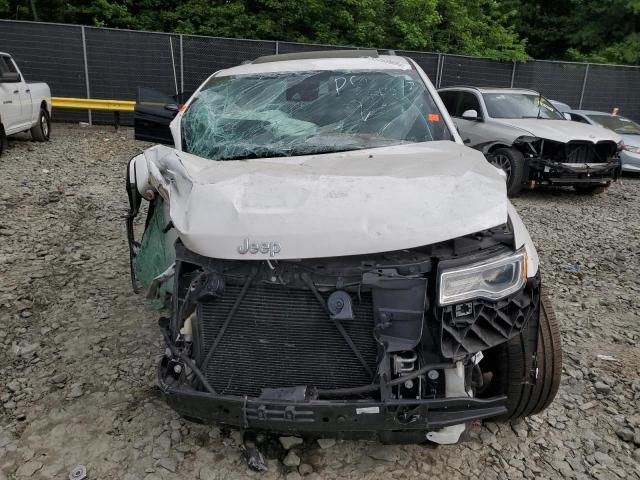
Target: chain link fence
x,y
90,62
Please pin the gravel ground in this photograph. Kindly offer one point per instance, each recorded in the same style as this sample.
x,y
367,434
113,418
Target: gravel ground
x,y
78,381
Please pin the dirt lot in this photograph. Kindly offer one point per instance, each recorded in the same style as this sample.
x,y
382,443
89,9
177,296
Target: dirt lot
x,y
78,381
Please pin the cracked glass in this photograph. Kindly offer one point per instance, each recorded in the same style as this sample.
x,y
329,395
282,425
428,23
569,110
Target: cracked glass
x,y
301,113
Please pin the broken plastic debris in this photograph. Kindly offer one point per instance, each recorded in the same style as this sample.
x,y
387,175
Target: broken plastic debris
x,y
608,358
79,472
254,458
155,256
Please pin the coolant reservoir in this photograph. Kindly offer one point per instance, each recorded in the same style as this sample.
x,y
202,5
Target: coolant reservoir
x,y
186,330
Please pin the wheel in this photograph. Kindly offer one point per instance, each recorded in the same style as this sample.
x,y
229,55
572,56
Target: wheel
x,y
512,367
511,162
40,131
591,189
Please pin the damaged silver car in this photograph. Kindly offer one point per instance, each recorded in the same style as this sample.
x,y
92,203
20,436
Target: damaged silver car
x,y
522,133
335,261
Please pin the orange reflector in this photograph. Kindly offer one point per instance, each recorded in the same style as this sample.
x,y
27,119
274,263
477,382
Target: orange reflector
x,y
182,108
433,117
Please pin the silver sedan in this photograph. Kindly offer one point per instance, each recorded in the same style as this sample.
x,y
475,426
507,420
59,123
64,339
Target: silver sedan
x,y
630,131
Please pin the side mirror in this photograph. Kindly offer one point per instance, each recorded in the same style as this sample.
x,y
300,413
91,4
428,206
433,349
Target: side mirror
x,y
172,107
9,77
470,115
567,116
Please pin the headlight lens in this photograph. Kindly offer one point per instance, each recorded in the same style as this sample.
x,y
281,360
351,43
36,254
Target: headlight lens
x,y
631,148
492,280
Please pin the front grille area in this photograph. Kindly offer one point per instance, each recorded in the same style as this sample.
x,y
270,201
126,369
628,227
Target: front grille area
x,y
587,152
578,152
281,337
581,153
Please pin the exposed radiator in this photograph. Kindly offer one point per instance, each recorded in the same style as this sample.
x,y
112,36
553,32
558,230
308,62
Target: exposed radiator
x,y
281,337
581,153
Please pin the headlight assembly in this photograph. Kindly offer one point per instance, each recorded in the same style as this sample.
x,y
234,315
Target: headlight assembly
x,y
492,279
632,149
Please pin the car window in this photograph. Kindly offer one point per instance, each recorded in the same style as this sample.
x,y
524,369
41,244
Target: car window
x,y
616,123
8,65
520,105
578,118
450,100
468,101
303,113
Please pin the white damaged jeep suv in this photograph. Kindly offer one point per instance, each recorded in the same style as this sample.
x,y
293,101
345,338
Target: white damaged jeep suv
x,y
335,260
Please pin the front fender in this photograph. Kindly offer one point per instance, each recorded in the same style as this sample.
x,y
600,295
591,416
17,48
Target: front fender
x,y
522,238
487,147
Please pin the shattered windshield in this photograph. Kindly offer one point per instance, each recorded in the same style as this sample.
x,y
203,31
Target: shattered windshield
x,y
520,105
617,124
301,113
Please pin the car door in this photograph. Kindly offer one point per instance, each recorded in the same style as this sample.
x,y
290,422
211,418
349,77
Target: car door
x,y
472,131
10,110
27,116
153,113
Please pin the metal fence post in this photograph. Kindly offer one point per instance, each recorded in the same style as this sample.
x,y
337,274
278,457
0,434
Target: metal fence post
x,y
513,74
181,66
173,65
441,70
437,79
277,47
584,86
86,69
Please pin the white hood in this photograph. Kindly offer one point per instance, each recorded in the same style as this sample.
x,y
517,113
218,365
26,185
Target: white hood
x,y
348,203
560,130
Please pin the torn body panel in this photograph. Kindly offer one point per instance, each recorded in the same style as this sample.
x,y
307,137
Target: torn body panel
x,y
325,205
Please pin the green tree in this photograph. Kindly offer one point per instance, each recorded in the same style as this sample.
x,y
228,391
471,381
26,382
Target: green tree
x,y
473,27
585,30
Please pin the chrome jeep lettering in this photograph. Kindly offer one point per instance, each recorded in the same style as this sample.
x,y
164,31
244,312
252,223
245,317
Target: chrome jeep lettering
x,y
271,248
244,248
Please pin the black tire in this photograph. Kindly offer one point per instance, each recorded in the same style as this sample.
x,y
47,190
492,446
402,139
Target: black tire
x,y
42,129
513,365
591,189
511,161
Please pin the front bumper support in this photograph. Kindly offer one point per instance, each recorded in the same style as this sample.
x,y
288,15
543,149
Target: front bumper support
x,y
343,418
558,173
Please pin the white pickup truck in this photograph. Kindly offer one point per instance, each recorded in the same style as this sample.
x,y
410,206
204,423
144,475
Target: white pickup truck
x,y
24,105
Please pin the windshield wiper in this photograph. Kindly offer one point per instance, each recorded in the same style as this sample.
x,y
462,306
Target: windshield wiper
x,y
252,155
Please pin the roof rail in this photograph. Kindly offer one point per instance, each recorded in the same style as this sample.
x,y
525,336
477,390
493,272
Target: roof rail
x,y
460,86
318,54
487,88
